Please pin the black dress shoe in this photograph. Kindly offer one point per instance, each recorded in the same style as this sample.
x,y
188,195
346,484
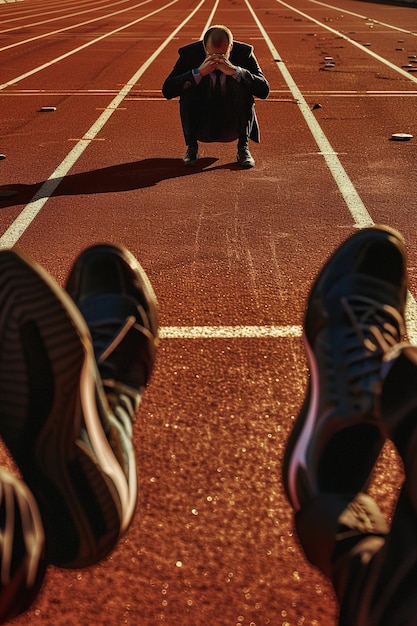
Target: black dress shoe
x,y
244,157
191,156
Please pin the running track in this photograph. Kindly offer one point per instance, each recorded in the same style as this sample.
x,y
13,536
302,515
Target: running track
x,y
231,254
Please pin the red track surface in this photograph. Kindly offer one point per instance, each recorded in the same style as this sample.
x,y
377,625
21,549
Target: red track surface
x,y
212,542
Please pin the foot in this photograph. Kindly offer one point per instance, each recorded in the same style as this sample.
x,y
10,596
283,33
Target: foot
x,y
191,156
354,318
53,411
21,550
244,157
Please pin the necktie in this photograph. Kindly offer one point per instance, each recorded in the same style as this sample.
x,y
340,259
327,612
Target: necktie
x,y
218,85
217,111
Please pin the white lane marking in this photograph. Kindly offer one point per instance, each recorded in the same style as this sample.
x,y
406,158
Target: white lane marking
x,y
411,318
345,185
35,70
61,30
228,332
376,56
365,17
210,18
31,210
274,332
52,19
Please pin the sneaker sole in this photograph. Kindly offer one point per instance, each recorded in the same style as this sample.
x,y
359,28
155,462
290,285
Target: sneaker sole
x,y
78,490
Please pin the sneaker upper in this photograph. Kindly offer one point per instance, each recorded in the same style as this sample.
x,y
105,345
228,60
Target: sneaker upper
x,y
244,156
118,303
354,319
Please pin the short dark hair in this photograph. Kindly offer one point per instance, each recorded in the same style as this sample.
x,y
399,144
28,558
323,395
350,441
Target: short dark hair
x,y
218,34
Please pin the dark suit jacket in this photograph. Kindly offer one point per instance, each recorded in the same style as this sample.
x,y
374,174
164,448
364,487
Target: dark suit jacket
x,y
192,56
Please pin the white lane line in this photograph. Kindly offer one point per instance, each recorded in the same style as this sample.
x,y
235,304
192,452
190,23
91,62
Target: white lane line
x,y
270,332
376,56
229,332
345,185
411,318
31,210
365,17
210,18
61,30
35,70
52,19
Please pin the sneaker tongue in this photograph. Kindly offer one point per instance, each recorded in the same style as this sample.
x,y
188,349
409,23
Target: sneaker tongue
x,y
126,358
109,307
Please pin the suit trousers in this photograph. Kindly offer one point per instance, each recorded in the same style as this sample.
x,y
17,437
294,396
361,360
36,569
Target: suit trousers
x,y
200,114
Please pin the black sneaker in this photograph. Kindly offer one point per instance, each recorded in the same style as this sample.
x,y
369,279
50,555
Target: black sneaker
x,y
354,318
52,410
116,299
191,156
21,548
244,157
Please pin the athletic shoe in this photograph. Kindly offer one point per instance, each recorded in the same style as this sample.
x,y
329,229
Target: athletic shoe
x,y
354,318
244,157
114,295
22,567
190,158
52,410
117,301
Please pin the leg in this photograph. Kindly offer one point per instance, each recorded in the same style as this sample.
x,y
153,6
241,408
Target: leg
x,y
195,119
70,440
345,538
239,111
395,592
239,119
354,320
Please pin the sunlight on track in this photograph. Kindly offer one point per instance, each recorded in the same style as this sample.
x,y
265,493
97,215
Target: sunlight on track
x,y
52,19
364,17
31,210
353,201
86,45
376,56
345,185
61,30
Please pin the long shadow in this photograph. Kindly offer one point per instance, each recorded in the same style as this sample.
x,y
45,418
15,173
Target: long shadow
x,y
116,178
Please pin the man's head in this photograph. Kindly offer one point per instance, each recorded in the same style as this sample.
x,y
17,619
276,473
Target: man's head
x,y
218,40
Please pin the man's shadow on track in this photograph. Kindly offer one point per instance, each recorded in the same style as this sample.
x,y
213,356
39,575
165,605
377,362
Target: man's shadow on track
x,y
116,178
